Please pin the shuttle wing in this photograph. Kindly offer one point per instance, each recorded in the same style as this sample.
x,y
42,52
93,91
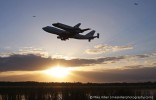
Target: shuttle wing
x,y
77,25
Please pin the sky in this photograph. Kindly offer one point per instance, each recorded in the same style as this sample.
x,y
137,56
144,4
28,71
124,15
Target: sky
x,y
125,51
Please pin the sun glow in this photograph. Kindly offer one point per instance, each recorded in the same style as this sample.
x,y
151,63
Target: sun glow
x,y
58,72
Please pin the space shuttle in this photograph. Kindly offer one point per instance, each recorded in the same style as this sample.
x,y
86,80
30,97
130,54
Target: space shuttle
x,y
75,29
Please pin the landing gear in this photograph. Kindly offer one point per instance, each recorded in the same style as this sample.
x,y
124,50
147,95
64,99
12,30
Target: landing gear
x,y
62,38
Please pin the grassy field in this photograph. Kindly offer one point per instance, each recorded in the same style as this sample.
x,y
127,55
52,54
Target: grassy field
x,y
77,91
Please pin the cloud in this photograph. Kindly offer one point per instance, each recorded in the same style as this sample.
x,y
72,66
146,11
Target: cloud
x,y
141,56
27,62
99,49
154,64
32,50
117,75
133,66
114,75
23,51
23,62
37,62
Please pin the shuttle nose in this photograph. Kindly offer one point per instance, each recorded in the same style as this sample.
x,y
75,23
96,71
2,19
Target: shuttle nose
x,y
55,24
44,28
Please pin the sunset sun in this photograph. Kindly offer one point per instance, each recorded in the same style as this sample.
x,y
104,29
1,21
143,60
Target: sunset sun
x,y
58,72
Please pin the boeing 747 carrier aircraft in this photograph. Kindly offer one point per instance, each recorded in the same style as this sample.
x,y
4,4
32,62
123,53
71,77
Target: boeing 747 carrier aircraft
x,y
65,32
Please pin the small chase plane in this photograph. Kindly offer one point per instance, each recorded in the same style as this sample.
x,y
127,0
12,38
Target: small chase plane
x,y
65,32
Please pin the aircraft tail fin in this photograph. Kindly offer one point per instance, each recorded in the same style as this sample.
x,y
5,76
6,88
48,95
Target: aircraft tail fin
x,y
97,35
77,25
91,34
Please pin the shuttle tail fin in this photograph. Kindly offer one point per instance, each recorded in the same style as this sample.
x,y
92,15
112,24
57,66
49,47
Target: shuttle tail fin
x,y
77,25
85,30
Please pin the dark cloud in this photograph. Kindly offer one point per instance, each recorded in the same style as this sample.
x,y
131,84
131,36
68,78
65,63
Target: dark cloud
x,y
23,62
143,56
36,62
23,77
134,66
29,62
116,75
154,64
